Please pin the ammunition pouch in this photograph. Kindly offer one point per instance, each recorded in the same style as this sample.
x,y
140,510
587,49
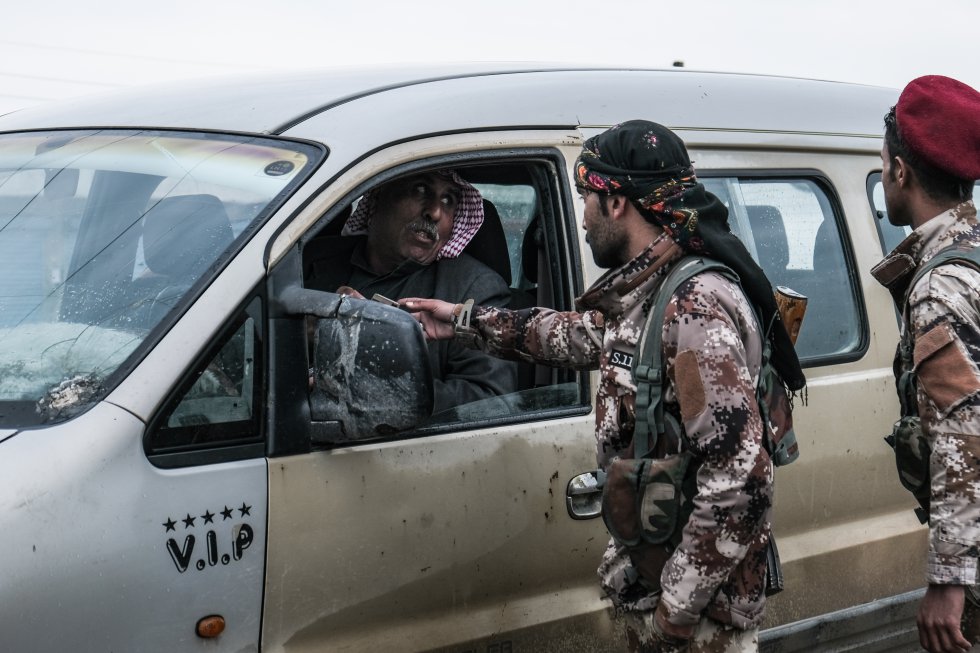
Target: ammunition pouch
x,y
912,454
645,509
642,499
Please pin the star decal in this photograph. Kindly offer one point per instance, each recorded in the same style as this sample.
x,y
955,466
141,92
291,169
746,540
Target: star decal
x,y
244,509
169,524
208,517
226,513
188,521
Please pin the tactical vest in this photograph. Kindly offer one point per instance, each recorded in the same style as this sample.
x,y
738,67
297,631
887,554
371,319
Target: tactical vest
x,y
647,501
910,444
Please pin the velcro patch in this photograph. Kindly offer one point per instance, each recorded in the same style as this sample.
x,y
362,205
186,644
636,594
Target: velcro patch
x,y
945,372
622,360
690,385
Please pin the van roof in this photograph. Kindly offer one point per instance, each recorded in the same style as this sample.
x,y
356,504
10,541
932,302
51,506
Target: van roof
x,y
443,98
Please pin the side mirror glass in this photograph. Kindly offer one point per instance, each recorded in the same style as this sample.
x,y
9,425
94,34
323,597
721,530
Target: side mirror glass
x,y
370,371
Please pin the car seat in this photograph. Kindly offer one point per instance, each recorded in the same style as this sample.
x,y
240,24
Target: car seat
x,y
771,244
182,236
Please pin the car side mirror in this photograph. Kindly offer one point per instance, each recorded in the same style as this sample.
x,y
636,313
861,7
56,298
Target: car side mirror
x,y
370,367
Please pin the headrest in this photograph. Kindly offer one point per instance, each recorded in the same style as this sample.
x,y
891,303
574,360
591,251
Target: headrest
x,y
183,235
531,246
489,243
769,234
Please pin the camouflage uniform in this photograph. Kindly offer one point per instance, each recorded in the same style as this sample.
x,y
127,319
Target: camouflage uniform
x,y
944,314
712,352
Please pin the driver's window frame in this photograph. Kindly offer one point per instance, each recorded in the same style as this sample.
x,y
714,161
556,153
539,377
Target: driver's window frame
x,y
548,167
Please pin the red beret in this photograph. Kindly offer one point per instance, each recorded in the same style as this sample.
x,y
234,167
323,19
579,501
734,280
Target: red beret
x,y
939,119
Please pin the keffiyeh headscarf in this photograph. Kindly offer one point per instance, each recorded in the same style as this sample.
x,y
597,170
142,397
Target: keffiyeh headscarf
x,y
466,221
648,164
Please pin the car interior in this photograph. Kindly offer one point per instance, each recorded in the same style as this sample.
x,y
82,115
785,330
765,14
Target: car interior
x,y
513,242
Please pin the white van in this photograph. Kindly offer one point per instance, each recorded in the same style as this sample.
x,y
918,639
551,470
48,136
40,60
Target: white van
x,y
171,482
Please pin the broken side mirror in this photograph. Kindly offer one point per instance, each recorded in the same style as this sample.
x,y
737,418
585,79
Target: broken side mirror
x,y
370,367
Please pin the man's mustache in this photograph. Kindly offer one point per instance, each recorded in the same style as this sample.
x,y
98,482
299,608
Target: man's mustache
x,y
423,225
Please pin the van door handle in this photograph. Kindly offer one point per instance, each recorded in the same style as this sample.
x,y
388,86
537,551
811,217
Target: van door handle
x,y
583,495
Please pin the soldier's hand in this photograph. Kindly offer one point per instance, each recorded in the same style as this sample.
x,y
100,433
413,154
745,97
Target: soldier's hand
x,y
435,316
939,620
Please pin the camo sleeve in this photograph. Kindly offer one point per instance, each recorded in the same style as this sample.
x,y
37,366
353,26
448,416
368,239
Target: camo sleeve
x,y
712,350
944,317
541,335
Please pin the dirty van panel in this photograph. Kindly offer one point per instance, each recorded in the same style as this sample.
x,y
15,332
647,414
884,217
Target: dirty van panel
x,y
103,552
102,236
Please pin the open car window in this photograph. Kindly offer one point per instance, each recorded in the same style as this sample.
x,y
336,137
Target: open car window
x,y
520,253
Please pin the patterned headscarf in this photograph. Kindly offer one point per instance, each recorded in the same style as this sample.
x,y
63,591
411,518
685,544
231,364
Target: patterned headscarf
x,y
466,221
649,165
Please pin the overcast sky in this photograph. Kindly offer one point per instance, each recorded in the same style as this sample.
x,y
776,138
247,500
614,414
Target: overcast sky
x,y
58,49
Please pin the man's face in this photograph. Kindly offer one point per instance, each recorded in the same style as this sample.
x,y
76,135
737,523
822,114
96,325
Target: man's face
x,y
605,237
413,219
895,205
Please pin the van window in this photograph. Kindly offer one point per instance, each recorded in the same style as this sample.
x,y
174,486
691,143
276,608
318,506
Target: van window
x,y
890,235
219,404
517,204
102,234
789,227
520,243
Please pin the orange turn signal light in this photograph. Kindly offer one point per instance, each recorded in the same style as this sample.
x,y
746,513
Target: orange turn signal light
x,y
211,626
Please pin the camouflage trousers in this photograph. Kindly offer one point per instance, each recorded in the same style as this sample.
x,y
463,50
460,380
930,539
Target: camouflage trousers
x,y
970,621
710,636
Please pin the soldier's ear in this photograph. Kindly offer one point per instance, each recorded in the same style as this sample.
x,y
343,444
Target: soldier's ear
x,y
618,206
900,171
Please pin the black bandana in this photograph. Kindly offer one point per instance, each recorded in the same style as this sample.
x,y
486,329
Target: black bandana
x,y
649,164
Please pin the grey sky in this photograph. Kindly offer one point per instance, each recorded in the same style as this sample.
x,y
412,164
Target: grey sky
x,y
56,49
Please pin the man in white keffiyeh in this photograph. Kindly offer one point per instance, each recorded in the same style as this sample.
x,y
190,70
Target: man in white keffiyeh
x,y
424,217
406,239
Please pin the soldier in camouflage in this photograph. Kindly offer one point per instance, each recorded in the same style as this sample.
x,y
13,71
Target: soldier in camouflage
x,y
644,208
930,159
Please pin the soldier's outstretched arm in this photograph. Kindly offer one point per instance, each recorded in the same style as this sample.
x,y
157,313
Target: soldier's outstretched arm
x,y
435,316
537,335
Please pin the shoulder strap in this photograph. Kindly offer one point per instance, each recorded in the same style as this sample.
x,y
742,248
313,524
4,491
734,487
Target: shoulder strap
x,y
955,254
648,361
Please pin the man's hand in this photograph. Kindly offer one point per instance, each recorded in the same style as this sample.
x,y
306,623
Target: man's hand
x,y
436,317
347,291
939,620
675,636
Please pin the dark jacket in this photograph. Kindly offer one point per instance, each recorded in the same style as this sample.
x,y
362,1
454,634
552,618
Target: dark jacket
x,y
460,375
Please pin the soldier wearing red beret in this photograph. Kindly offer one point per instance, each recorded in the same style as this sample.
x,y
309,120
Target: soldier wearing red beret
x,y
930,160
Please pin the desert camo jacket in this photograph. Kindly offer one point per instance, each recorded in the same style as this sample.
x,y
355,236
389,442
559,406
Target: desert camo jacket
x,y
943,313
712,352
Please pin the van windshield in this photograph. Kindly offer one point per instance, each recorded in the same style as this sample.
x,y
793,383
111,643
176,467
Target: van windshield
x,y
102,233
